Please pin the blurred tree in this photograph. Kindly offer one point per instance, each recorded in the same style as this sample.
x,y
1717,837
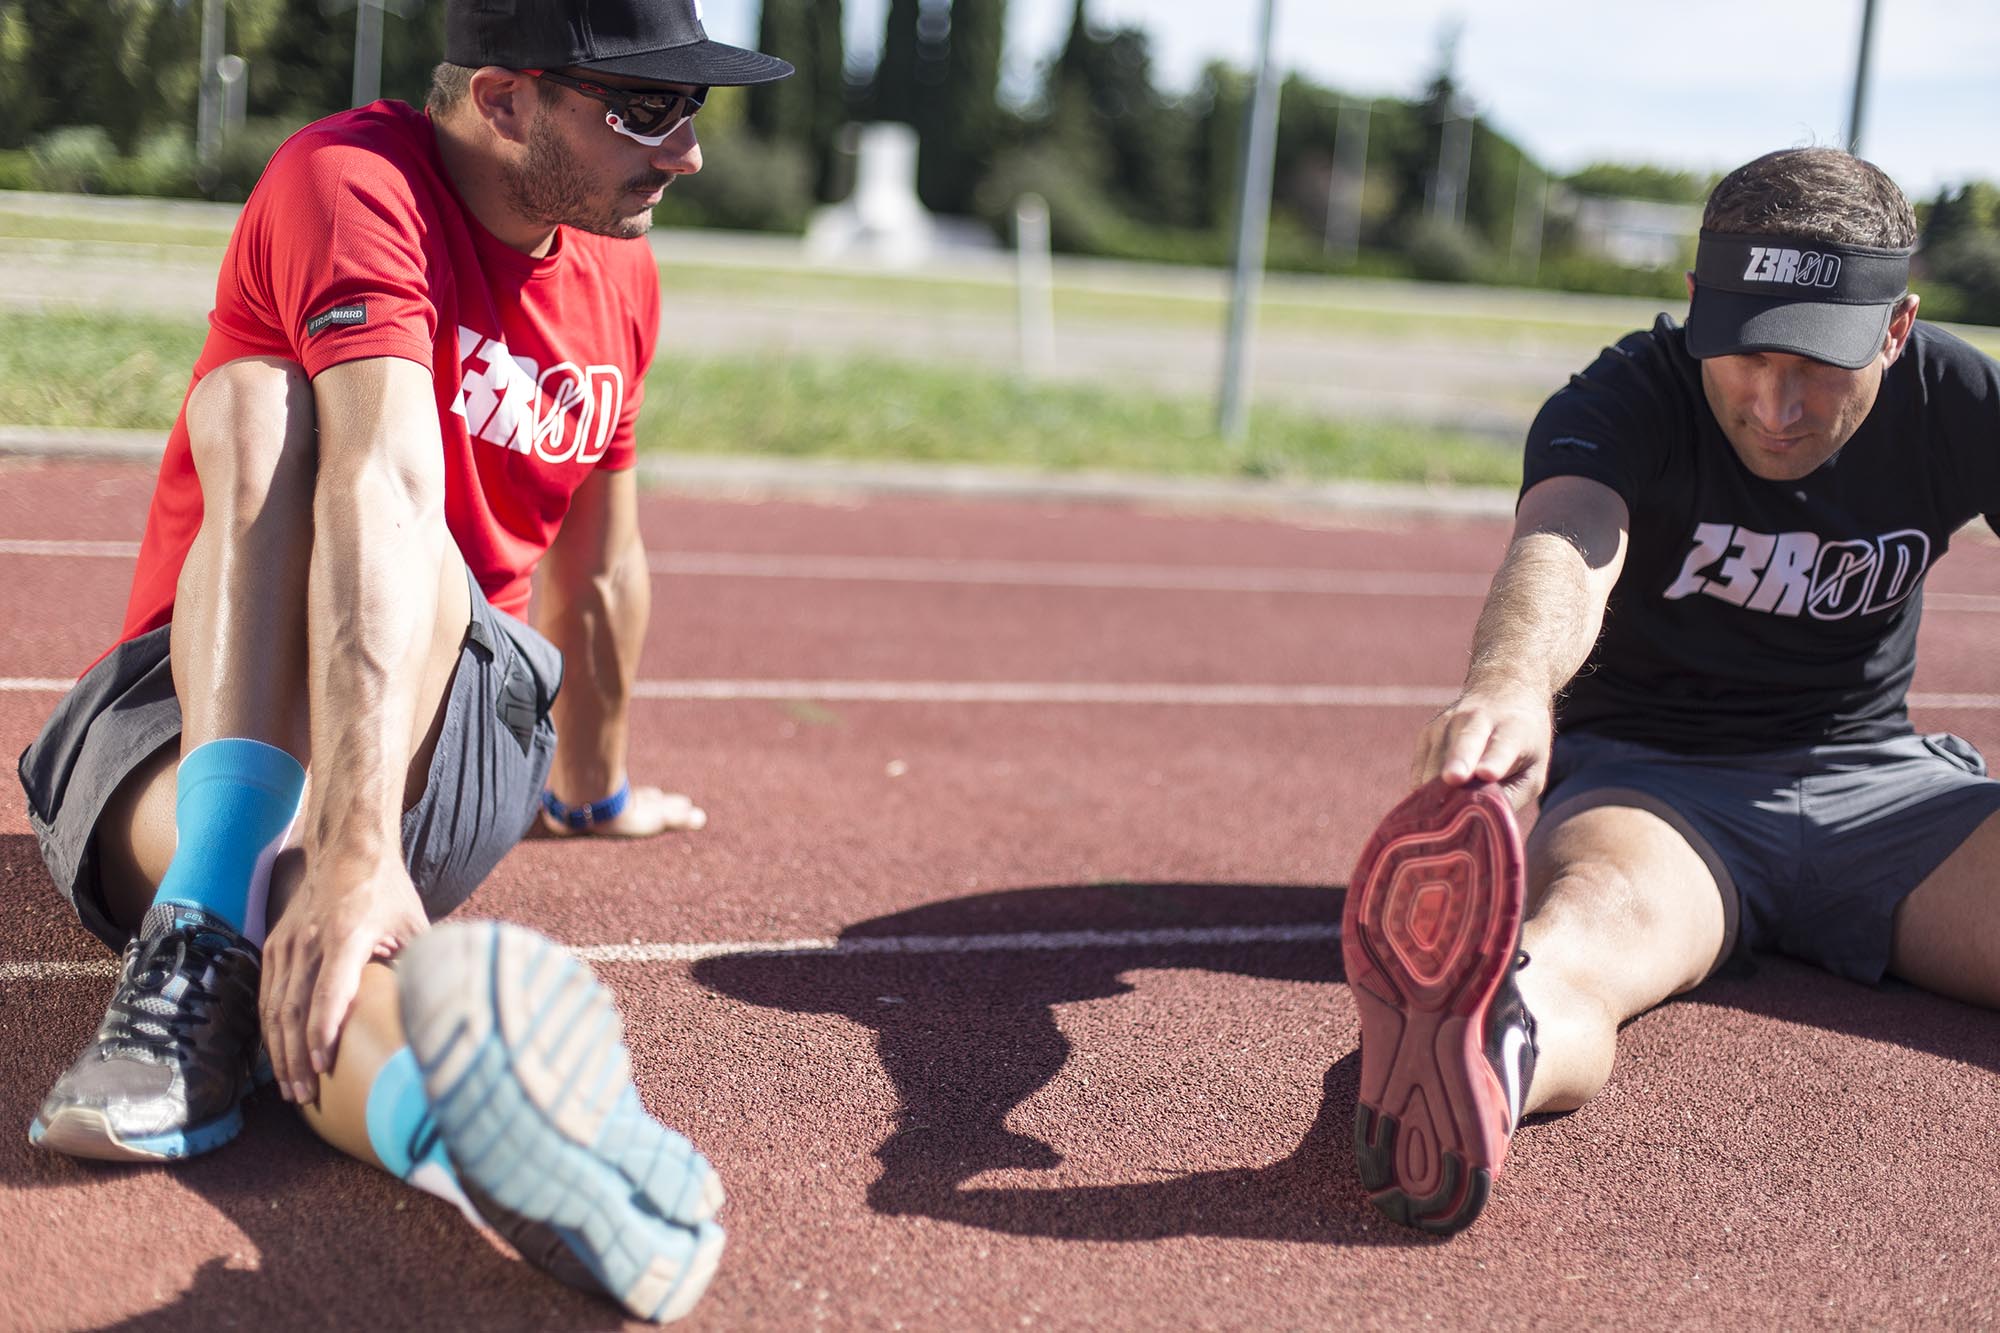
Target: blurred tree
x,y
809,108
1628,181
892,91
832,96
1104,111
1959,256
959,118
305,69
940,73
17,85
123,65
1955,213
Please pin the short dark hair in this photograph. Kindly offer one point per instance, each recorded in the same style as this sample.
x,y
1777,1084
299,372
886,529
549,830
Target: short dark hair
x,y
450,83
1815,194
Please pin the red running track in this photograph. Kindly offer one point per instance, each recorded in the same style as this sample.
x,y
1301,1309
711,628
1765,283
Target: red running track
x,y
957,1113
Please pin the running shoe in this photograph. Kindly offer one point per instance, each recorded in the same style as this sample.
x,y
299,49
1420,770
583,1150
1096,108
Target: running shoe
x,y
167,1072
1430,937
530,1084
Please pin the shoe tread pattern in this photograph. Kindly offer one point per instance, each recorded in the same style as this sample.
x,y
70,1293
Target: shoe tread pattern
x,y
1429,927
528,1075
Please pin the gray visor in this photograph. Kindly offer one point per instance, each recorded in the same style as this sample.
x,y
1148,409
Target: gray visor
x,y
1786,294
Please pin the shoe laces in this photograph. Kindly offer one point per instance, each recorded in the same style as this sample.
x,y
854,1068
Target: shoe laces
x,y
167,990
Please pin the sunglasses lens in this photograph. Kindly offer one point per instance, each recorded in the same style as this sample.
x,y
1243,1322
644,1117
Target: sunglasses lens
x,y
656,115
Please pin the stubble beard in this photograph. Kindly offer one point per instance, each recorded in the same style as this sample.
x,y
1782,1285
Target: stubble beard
x,y
553,189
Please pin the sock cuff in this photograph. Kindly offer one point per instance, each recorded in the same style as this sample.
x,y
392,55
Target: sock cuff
x,y
397,1109
240,759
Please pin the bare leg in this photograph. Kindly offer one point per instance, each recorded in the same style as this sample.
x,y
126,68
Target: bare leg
x,y
1947,934
240,661
239,637
1624,913
239,630
374,1032
135,837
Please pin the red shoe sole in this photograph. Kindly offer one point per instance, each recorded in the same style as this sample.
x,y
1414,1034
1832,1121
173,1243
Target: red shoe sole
x,y
1432,919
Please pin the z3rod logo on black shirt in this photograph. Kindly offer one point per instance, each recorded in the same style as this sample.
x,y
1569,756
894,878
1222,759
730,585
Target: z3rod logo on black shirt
x,y
1786,573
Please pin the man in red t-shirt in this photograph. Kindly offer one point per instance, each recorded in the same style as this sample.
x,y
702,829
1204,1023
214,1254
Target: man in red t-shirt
x,y
420,386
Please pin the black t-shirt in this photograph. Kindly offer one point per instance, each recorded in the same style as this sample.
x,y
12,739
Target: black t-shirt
x,y
1761,615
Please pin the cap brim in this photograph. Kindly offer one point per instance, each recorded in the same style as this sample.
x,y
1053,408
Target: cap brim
x,y
708,64
1723,323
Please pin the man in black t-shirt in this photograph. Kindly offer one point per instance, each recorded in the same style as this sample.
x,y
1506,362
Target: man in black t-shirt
x,y
1696,652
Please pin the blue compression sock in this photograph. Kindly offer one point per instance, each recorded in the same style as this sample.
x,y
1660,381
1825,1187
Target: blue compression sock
x,y
234,806
404,1135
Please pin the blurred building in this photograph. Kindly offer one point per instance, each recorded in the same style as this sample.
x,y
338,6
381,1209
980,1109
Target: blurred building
x,y
882,222
1639,233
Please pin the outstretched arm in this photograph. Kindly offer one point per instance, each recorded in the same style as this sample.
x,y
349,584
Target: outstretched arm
x,y
1540,621
594,602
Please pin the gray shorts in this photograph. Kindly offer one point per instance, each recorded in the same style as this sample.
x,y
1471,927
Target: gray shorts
x,y
480,798
1815,847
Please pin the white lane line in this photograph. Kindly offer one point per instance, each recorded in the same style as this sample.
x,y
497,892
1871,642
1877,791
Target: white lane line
x,y
1978,703
73,550
1024,574
1056,574
1984,603
107,967
1055,941
1048,692
1005,573
35,685
979,692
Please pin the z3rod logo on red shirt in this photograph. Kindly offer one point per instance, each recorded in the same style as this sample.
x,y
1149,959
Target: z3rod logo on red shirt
x,y
562,414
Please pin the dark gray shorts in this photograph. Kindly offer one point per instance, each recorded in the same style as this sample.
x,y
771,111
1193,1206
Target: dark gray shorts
x,y
1816,846
480,798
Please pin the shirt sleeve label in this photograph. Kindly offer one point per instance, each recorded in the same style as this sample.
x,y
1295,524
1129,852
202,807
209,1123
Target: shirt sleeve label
x,y
355,313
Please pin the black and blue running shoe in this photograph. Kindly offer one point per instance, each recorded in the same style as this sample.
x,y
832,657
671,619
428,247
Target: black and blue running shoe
x,y
530,1084
166,1074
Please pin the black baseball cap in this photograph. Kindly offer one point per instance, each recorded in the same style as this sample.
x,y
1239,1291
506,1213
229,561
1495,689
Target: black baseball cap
x,y
1782,293
661,41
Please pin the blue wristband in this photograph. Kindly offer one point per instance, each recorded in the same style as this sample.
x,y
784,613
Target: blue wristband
x,y
590,814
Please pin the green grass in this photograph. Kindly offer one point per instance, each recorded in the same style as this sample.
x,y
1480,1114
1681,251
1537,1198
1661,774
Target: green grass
x,y
887,410
109,370
139,232
97,369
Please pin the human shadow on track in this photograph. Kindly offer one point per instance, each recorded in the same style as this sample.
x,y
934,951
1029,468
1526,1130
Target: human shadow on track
x,y
969,1032
966,1030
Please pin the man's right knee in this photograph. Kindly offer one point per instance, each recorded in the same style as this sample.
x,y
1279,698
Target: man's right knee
x,y
1630,907
251,431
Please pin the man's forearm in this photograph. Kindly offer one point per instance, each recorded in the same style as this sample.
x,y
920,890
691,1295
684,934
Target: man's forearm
x,y
599,623
1540,621
369,625
372,612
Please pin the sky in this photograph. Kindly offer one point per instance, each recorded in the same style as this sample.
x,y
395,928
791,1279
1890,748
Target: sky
x,y
1704,87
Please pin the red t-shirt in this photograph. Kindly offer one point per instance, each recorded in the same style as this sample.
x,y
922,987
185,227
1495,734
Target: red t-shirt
x,y
354,244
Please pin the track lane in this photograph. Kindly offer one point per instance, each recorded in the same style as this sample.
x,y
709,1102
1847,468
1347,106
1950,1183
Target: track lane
x,y
1159,1133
